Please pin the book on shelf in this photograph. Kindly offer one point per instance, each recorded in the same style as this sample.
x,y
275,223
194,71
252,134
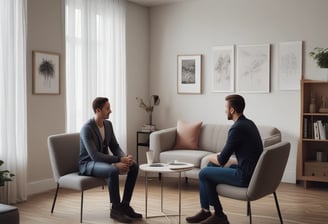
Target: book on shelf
x,y
316,130
305,128
322,130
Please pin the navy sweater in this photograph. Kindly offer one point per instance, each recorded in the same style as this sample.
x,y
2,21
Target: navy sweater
x,y
245,142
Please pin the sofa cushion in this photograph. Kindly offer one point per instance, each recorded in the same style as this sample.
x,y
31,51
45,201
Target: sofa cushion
x,y
183,155
187,135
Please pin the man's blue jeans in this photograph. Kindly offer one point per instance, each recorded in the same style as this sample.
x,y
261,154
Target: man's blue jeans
x,y
209,177
111,173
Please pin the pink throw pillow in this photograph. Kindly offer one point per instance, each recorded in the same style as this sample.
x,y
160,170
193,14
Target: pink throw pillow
x,y
188,135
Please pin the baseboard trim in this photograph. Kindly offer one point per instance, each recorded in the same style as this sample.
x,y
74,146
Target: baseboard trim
x,y
40,186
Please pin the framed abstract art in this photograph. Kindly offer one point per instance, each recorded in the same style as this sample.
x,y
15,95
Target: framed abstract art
x,y
46,73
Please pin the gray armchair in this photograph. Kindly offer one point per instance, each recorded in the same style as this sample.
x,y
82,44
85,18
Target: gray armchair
x,y
265,180
64,153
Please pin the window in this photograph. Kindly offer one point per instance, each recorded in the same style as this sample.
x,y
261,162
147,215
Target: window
x,y
95,61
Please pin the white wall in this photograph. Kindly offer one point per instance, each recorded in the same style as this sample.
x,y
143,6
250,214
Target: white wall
x,y
137,70
195,26
45,113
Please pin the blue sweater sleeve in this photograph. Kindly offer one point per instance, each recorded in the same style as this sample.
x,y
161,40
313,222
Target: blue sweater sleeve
x,y
233,141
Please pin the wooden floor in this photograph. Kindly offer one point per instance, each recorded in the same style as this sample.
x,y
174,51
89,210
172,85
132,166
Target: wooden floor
x,y
298,205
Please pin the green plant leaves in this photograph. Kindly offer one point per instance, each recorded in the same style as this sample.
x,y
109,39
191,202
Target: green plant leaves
x,y
320,55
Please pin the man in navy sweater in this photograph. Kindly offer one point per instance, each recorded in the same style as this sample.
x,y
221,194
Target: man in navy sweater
x,y
245,142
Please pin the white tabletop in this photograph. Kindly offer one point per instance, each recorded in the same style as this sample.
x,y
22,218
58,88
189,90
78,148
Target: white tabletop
x,y
166,168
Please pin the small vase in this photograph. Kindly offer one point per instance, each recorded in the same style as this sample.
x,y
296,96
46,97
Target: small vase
x,y
312,108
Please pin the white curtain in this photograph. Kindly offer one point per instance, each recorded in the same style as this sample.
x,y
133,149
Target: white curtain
x,y
13,140
95,61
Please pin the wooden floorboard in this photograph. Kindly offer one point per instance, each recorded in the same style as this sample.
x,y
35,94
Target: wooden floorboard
x,y
298,205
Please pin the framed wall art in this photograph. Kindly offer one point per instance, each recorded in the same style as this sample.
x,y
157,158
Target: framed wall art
x,y
46,73
223,68
253,68
290,65
189,74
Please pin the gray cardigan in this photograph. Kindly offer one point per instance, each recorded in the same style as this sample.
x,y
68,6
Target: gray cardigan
x,y
93,148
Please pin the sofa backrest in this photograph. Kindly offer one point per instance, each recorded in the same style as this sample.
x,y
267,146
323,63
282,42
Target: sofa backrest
x,y
213,136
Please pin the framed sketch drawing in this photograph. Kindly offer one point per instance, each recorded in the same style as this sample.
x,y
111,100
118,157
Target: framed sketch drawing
x,y
290,65
223,68
45,73
189,74
253,68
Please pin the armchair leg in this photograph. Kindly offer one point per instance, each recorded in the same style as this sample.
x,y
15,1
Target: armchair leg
x,y
81,212
55,198
249,211
277,205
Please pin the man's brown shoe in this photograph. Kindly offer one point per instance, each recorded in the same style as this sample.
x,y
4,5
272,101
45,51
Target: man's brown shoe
x,y
214,219
200,216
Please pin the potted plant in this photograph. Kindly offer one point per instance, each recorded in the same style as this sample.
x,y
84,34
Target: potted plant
x,y
5,175
320,55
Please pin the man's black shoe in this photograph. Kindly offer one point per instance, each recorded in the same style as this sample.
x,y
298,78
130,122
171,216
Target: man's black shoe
x,y
129,211
200,216
119,215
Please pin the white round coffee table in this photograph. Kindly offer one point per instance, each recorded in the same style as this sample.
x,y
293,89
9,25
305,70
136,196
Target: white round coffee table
x,y
177,167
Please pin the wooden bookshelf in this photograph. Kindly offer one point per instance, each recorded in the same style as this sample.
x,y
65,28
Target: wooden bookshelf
x,y
309,169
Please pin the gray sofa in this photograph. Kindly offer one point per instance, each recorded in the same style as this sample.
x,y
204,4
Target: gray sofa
x,y
211,140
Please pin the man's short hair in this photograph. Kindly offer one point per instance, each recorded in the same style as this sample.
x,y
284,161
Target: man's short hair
x,y
237,102
99,103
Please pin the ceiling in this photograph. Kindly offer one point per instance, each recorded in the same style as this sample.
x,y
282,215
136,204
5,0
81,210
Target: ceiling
x,y
150,3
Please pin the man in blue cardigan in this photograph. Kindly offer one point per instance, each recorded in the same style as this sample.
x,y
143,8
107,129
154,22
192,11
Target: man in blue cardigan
x,y
245,142
96,139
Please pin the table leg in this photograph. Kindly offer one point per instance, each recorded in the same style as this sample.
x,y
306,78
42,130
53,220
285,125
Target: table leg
x,y
162,195
162,206
179,187
146,193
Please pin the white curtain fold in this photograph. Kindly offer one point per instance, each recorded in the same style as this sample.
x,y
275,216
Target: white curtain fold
x,y
13,137
95,61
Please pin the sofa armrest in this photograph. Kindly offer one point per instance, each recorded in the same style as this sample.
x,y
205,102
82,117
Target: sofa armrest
x,y
270,135
162,140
